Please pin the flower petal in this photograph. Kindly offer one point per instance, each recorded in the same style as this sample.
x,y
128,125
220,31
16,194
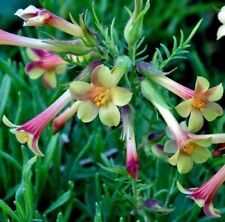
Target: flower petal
x,y
50,80
170,147
196,121
200,154
101,76
214,93
184,108
7,122
210,211
220,32
201,85
173,159
60,69
33,70
109,115
120,96
221,15
22,136
182,189
33,146
212,110
87,111
80,89
184,163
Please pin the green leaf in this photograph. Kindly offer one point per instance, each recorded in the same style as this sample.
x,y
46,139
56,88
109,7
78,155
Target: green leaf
x,y
61,200
4,92
98,214
8,211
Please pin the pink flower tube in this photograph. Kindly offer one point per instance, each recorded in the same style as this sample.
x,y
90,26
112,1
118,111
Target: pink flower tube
x,y
30,131
132,162
204,195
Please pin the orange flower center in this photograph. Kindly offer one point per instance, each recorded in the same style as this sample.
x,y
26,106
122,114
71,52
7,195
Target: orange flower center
x,y
198,103
102,98
188,148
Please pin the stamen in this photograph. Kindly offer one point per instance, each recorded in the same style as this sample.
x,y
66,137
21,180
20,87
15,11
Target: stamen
x,y
198,103
188,148
102,99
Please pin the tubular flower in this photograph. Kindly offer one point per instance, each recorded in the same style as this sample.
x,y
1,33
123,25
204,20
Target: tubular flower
x,y
192,150
202,104
33,16
132,162
203,195
45,63
186,148
75,46
221,17
152,72
30,131
60,121
102,96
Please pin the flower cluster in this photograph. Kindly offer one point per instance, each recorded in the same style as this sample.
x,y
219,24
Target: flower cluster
x,y
101,90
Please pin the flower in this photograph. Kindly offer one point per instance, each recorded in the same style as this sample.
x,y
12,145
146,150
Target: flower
x,y
186,146
45,64
203,195
201,104
221,17
60,121
152,72
192,150
132,162
101,96
134,28
75,46
30,131
33,16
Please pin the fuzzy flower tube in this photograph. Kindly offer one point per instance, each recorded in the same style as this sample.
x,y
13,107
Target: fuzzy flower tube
x,y
204,195
197,103
132,162
45,64
33,16
30,131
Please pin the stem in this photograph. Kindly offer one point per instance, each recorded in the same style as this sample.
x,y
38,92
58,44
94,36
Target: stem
x,y
216,138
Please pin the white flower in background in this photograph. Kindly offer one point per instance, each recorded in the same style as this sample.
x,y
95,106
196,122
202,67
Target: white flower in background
x,y
221,29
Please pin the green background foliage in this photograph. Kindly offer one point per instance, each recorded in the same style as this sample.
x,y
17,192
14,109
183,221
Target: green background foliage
x,y
82,176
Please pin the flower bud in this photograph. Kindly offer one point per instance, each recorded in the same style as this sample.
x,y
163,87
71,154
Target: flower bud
x,y
134,27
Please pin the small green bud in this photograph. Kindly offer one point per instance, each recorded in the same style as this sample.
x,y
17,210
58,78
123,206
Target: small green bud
x,y
122,65
134,27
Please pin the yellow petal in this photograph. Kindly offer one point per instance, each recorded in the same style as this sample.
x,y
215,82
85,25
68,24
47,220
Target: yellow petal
x,y
22,136
50,80
35,73
7,122
184,108
196,121
87,111
101,76
200,154
79,89
212,110
173,159
184,164
120,96
109,115
202,84
60,69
